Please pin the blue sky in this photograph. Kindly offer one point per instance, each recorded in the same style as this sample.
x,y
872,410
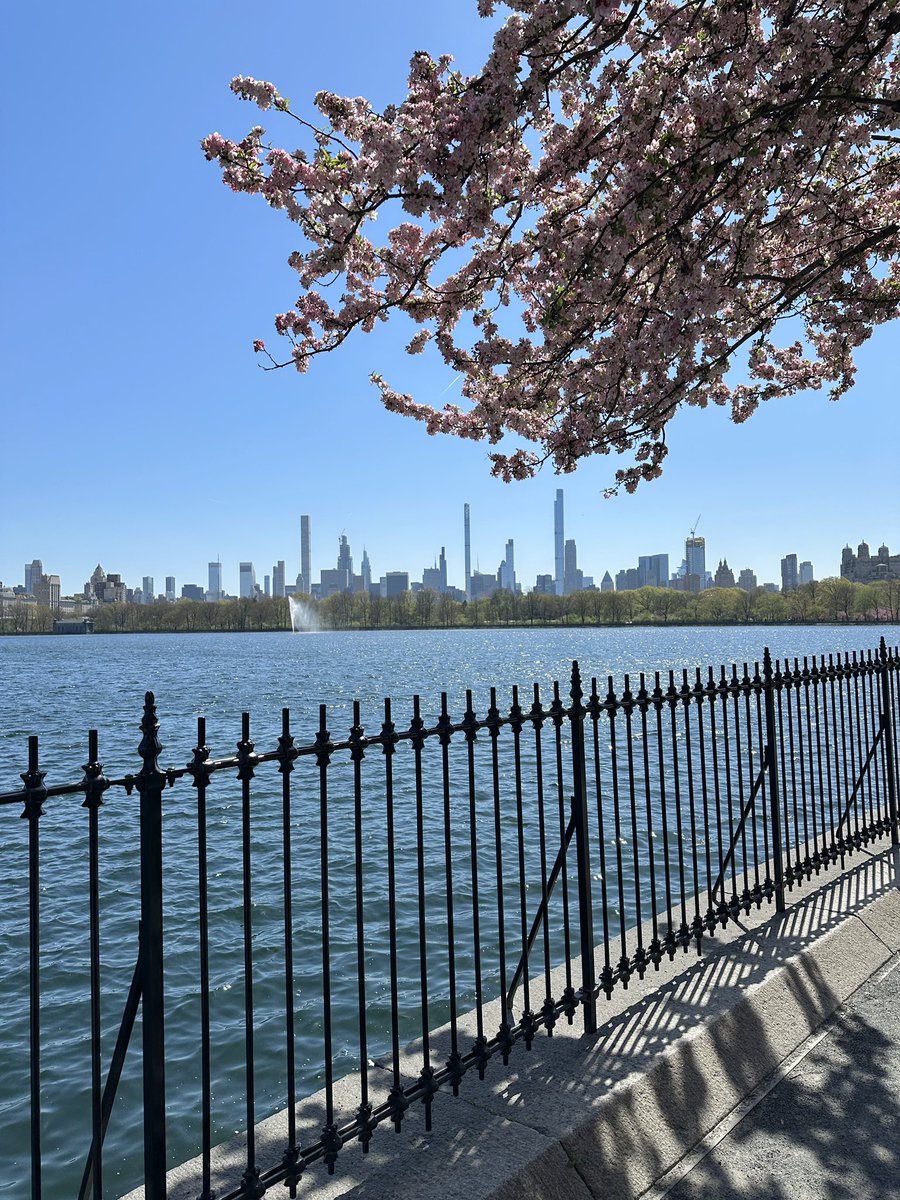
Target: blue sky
x,y
138,429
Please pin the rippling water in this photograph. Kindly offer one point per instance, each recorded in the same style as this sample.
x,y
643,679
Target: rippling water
x,y
61,687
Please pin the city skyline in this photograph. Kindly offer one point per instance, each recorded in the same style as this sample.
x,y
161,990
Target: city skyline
x,y
144,435
693,572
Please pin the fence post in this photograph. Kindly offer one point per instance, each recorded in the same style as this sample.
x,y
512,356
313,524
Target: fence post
x,y
34,795
885,687
150,783
771,758
583,854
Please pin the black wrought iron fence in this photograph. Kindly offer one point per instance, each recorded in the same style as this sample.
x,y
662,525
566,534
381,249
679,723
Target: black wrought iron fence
x,y
360,890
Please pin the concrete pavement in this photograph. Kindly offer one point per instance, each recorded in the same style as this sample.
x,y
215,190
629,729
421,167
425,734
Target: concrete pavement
x,y
829,1128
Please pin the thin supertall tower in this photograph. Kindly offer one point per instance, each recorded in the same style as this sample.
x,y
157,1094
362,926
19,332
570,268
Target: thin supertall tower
x,y
559,544
468,542
305,560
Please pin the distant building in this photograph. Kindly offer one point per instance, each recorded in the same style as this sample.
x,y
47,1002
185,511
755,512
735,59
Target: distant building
x,y
864,567
170,588
687,583
545,585
84,625
247,576
506,575
559,543
304,579
147,589
192,591
435,577
105,589
606,583
628,580
770,587
214,591
345,558
46,590
747,580
394,583
340,578
573,580
366,571
806,573
467,544
431,578
653,570
481,586
267,585
695,561
790,578
33,572
278,579
724,576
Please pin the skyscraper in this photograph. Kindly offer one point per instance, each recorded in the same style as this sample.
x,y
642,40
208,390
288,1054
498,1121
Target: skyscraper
x,y
305,580
214,592
572,577
247,581
559,544
653,570
695,558
148,590
789,573
747,580
366,571
806,573
46,590
468,543
442,567
170,588
344,560
507,572
33,572
339,578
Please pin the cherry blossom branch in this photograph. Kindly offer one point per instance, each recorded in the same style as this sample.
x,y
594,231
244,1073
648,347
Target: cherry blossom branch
x,y
603,221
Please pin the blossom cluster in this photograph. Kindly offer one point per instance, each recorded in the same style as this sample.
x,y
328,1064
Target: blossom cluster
x,y
627,210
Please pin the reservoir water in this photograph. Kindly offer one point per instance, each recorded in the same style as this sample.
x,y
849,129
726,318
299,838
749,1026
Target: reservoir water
x,y
60,687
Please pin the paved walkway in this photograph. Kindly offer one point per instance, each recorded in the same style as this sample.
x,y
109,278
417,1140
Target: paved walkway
x,y
828,1130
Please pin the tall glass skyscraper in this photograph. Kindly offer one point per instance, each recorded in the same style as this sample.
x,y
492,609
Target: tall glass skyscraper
x,y
305,581
695,557
559,544
214,591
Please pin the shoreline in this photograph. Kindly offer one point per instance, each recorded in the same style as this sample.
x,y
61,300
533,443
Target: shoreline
x,y
861,623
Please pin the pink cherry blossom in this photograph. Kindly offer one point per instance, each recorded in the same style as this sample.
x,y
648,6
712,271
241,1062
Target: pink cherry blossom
x,y
625,211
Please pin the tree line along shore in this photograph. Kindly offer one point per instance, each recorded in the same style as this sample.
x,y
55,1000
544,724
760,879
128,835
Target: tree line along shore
x,y
831,601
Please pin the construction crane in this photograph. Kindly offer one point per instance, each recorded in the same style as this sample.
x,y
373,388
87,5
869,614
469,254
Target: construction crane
x,y
696,523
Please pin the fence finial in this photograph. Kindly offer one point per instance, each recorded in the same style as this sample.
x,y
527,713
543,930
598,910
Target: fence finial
x,y
576,691
150,747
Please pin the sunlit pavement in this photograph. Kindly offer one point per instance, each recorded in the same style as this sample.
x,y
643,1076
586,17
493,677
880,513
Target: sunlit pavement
x,y
830,1128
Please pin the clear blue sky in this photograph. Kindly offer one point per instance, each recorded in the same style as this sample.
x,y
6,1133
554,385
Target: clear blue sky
x,y
137,428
